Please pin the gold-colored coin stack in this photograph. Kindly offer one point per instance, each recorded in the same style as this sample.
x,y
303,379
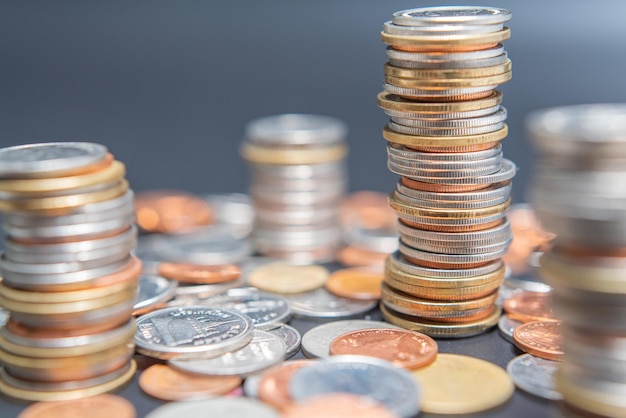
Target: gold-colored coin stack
x,y
444,141
578,193
297,162
69,281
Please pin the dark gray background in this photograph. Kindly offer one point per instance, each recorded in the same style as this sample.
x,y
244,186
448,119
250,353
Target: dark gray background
x,y
168,86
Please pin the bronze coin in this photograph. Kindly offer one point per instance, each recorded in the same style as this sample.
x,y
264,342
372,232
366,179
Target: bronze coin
x,y
540,338
198,273
355,283
404,348
171,211
529,306
441,188
99,406
164,382
274,383
337,405
358,257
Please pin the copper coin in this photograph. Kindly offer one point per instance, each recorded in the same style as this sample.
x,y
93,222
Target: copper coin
x,y
443,48
404,348
441,188
198,273
540,338
367,209
337,405
100,406
358,257
164,382
273,386
452,228
171,211
529,306
355,283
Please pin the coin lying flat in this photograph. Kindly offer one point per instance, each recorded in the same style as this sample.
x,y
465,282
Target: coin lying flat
x,y
290,336
288,278
337,405
355,283
220,407
98,406
323,305
273,385
535,375
456,384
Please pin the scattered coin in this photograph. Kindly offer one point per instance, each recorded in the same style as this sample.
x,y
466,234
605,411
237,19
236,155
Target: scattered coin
x,y
164,382
320,304
171,212
456,384
408,349
153,292
98,406
198,273
540,338
535,375
290,336
507,327
355,283
273,386
223,407
529,306
288,278
337,405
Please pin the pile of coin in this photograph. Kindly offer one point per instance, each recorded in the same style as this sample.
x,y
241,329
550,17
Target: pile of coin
x,y
444,141
68,279
578,193
298,179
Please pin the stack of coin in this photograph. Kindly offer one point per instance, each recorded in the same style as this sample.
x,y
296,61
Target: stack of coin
x,y
298,180
578,193
69,281
444,141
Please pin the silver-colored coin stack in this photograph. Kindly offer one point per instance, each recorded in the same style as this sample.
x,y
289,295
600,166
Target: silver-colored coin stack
x,y
68,279
580,195
298,180
444,134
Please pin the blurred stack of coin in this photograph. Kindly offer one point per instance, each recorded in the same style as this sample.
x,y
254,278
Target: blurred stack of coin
x,y
444,141
298,180
578,193
68,279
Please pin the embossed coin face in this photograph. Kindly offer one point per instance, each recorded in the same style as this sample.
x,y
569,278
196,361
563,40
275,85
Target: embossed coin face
x,y
535,375
475,15
337,405
377,379
164,382
456,384
540,338
404,348
288,278
192,331
355,283
99,406
265,350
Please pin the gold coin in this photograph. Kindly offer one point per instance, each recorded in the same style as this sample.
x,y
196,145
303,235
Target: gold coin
x,y
61,204
394,102
33,395
301,155
109,174
448,83
446,42
446,213
460,293
447,73
439,329
355,283
415,140
288,278
457,384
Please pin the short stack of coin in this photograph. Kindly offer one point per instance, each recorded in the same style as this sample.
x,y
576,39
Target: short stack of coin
x,y
578,193
297,163
68,279
444,141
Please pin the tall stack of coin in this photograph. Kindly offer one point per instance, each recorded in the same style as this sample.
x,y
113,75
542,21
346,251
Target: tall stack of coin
x,y
298,180
68,279
444,141
578,193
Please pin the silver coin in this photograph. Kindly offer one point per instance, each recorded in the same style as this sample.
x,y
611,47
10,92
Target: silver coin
x,y
316,341
290,336
377,379
192,331
507,326
296,129
324,171
154,290
323,305
507,172
266,310
52,158
398,261
220,407
435,93
441,116
490,119
439,30
482,54
489,193
442,176
298,215
443,132
535,376
379,240
401,152
264,351
449,65
438,204
270,195
233,210
457,248
4,316
251,384
451,15
497,253
429,167
60,268
451,221
187,294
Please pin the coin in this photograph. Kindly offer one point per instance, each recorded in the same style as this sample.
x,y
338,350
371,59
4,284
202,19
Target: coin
x,y
355,283
377,379
507,327
529,306
451,15
457,384
198,273
534,375
288,278
273,387
290,336
171,211
320,304
337,405
316,341
540,338
153,291
222,407
164,382
408,349
97,406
